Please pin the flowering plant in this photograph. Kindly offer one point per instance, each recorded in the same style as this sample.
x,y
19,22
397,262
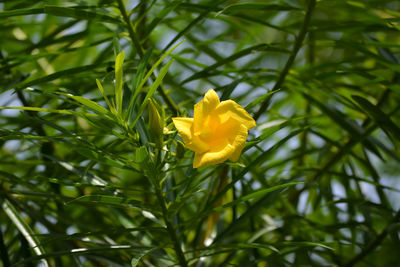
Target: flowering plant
x,y
217,131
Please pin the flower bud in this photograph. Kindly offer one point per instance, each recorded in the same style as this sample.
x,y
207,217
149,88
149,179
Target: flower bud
x,y
156,123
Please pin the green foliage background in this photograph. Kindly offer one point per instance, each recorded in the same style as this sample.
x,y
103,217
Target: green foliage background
x,y
82,185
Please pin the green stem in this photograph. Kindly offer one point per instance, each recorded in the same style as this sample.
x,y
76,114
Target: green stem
x,y
352,141
3,251
292,57
304,135
170,227
168,100
135,39
375,243
132,33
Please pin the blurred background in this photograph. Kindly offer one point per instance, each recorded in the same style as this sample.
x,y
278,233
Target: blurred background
x,y
321,78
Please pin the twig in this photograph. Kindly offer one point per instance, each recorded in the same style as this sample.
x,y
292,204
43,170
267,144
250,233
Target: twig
x,y
170,227
351,142
304,136
292,57
372,245
3,251
136,43
132,33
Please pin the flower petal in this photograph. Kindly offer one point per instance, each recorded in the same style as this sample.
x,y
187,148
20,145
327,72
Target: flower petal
x,y
230,151
230,108
217,132
239,143
184,126
197,145
204,108
212,158
228,130
192,142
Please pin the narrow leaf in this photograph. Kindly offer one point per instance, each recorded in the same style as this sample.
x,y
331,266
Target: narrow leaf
x,y
258,193
135,260
61,111
79,14
306,244
257,7
118,80
21,12
244,52
59,74
379,117
110,106
89,103
113,200
149,73
152,90
24,228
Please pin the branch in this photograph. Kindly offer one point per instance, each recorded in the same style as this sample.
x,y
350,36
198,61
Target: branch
x,y
132,33
375,243
170,227
292,57
136,43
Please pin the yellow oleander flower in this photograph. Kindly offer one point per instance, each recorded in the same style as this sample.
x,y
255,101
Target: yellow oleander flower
x,y
217,131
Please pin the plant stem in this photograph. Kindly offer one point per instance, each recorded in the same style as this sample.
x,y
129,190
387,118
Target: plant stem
x,y
351,141
170,227
132,33
375,243
292,57
3,251
304,135
135,39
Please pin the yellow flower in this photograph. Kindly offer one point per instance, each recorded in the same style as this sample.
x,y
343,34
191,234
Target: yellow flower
x,y
217,131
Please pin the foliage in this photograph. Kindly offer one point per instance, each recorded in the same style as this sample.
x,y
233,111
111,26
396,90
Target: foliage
x,y
86,182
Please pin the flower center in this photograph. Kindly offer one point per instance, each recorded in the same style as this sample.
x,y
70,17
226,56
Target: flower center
x,y
206,134
208,131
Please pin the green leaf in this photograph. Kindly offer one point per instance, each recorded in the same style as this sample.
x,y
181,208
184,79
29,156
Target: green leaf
x,y
119,80
141,69
61,111
24,229
115,201
161,15
110,106
256,194
228,89
60,74
306,244
116,45
149,73
89,103
213,7
79,14
141,154
256,7
57,111
20,12
380,118
261,158
83,251
261,98
250,210
136,259
336,115
260,47
152,90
